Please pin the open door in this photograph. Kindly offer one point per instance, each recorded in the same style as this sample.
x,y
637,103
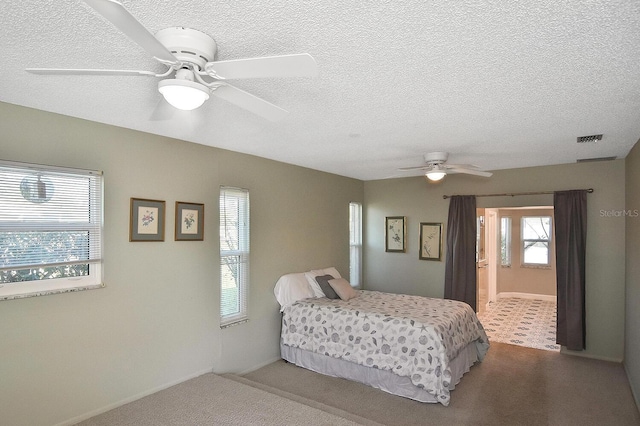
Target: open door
x,y
482,273
487,257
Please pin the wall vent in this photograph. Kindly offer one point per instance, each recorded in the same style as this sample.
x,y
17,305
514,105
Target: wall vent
x,y
588,160
590,138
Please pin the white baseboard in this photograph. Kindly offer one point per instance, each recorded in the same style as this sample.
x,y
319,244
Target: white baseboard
x,y
507,294
106,408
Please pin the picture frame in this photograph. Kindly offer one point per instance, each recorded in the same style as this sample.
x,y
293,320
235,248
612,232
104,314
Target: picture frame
x,y
430,241
395,233
146,220
189,221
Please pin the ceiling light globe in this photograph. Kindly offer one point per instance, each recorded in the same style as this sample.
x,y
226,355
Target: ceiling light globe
x,y
183,94
435,175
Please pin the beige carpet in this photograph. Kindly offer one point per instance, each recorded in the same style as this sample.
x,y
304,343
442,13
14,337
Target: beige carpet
x,y
214,400
512,386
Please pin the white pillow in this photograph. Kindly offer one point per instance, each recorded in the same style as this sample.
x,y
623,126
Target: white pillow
x,y
343,288
290,288
311,278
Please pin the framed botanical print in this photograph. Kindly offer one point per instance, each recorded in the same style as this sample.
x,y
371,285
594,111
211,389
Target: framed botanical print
x,y
146,220
430,241
189,221
395,232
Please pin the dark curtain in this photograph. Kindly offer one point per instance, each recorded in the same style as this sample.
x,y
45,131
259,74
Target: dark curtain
x,y
460,268
570,212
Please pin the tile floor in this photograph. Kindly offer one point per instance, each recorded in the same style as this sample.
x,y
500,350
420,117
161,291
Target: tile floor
x,y
521,322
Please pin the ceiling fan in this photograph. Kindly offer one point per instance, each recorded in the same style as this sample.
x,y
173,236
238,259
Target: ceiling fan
x,y
436,167
189,55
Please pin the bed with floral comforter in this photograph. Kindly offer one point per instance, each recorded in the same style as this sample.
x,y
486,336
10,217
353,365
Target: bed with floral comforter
x,y
411,336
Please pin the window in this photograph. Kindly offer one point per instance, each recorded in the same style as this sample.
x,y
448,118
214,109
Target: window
x,y
536,236
234,255
50,229
355,244
505,241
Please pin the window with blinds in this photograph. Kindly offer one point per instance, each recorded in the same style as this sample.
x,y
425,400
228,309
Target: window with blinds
x,y
355,244
234,255
50,229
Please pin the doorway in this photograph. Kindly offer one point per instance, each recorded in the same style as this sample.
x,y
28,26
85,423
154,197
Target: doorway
x,y
516,285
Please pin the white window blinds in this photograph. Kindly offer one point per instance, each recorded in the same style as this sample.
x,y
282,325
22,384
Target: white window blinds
x,y
50,228
234,255
355,244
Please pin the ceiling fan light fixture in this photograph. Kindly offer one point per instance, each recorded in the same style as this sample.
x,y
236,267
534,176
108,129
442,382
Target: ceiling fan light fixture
x,y
183,94
436,173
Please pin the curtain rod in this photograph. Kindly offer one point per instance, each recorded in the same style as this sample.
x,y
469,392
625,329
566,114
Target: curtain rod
x,y
590,190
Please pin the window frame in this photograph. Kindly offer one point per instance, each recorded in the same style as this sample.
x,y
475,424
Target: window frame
x,y
523,242
241,253
355,244
93,226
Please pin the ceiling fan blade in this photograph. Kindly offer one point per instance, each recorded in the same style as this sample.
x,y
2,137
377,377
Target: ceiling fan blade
x,y
115,12
250,102
414,168
469,172
76,71
298,65
461,166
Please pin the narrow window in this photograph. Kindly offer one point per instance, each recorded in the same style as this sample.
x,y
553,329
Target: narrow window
x,y
355,244
50,229
536,238
505,241
234,255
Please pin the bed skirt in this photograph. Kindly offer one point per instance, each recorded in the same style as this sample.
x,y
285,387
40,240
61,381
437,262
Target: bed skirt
x,y
382,379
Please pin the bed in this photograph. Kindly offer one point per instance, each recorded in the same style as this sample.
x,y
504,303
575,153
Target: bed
x,y
411,346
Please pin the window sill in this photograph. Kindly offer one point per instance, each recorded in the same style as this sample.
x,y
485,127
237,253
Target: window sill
x,y
535,266
5,295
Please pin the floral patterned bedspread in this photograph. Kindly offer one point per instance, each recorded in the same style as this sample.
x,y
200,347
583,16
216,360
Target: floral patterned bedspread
x,y
412,336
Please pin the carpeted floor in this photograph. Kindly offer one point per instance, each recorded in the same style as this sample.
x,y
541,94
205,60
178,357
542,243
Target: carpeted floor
x,y
215,400
512,386
523,322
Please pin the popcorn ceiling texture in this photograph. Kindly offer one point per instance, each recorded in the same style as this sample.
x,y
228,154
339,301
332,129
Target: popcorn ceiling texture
x,y
496,84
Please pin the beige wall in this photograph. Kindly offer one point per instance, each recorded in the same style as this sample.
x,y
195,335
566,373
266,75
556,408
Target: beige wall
x,y
157,320
525,279
421,201
632,312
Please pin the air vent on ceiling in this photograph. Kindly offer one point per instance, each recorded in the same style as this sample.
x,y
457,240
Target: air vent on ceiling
x,y
588,160
590,138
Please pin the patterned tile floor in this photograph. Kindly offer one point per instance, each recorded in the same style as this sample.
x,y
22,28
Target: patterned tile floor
x,y
521,322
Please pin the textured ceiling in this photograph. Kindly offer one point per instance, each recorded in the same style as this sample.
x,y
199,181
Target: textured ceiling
x,y
497,84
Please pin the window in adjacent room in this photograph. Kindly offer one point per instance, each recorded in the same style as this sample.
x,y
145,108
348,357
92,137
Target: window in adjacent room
x,y
536,239
234,255
50,229
505,241
355,244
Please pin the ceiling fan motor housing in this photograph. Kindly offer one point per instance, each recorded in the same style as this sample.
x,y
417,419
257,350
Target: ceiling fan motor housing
x,y
436,157
188,45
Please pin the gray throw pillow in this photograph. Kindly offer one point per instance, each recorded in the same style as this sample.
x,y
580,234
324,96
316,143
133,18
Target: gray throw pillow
x,y
323,282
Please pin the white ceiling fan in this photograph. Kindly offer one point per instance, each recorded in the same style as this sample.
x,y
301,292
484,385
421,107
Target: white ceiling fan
x,y
436,167
189,56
